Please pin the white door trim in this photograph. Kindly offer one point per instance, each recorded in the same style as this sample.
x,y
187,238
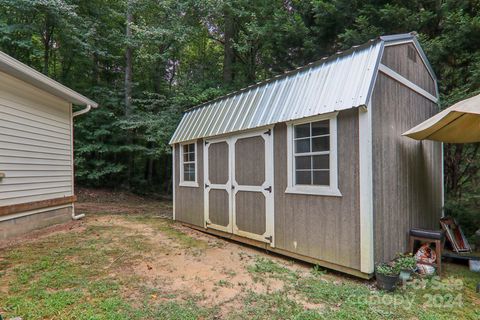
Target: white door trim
x,y
227,187
232,187
269,195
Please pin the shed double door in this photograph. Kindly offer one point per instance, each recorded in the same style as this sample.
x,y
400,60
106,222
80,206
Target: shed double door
x,y
239,185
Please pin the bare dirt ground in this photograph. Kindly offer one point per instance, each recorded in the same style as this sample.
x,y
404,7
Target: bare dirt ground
x,y
128,260
217,269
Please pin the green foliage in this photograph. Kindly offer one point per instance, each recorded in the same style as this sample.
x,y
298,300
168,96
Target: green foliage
x,y
387,269
405,262
180,59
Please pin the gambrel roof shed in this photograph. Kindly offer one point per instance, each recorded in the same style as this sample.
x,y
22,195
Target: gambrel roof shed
x,y
312,164
342,81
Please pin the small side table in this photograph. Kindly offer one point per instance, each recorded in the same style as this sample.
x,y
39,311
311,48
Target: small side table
x,y
429,236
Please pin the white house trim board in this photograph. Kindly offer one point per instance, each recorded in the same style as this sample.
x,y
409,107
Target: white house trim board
x,y
331,190
392,74
174,183
366,190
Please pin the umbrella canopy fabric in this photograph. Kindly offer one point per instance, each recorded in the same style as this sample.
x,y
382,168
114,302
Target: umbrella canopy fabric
x,y
459,123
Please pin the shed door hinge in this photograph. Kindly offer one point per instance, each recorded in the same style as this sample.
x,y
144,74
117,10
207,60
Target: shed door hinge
x,y
206,142
269,238
269,189
269,132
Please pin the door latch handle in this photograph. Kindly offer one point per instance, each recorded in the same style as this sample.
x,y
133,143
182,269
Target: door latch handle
x,y
269,238
269,189
206,186
233,187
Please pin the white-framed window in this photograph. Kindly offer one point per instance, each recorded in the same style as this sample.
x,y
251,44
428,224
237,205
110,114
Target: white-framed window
x,y
312,156
188,164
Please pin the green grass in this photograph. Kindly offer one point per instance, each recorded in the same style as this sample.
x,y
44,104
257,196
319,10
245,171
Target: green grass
x,y
85,275
67,276
452,297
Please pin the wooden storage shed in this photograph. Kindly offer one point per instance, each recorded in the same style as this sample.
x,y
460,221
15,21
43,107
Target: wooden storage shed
x,y
311,164
36,149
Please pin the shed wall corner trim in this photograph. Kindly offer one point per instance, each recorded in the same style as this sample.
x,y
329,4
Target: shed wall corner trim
x,y
366,190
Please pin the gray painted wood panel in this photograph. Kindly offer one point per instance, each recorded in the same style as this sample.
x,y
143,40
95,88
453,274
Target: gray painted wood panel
x,y
218,204
322,227
218,163
250,212
406,173
250,161
396,58
189,201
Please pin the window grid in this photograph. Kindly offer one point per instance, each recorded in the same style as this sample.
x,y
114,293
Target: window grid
x,y
311,153
189,162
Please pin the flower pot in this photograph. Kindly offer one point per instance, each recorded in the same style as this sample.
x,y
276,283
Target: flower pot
x,y
405,275
386,282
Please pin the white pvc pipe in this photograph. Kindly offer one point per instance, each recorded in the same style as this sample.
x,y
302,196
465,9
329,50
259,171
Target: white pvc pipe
x,y
74,217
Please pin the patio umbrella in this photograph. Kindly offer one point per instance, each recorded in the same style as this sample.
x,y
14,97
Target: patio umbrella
x,y
459,123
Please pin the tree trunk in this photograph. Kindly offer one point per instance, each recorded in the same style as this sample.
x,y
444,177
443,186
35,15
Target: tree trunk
x,y
47,39
128,86
128,61
228,56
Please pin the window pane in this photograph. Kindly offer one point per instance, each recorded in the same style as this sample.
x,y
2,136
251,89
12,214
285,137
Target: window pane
x,y
191,156
302,131
185,157
189,172
303,162
321,144
320,128
191,147
302,145
321,178
185,148
321,162
303,177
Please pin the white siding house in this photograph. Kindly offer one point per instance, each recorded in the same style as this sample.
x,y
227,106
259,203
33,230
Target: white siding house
x,y
36,148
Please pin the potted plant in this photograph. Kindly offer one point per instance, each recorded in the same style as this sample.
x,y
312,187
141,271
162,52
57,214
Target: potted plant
x,y
387,276
406,264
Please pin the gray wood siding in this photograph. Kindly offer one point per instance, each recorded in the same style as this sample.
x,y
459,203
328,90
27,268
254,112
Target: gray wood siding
x,y
322,227
35,144
406,173
396,58
189,201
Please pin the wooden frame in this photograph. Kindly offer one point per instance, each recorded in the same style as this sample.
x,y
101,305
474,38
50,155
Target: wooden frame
x,y
23,207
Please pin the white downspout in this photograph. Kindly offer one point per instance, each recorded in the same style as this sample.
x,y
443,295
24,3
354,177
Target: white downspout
x,y
83,111
76,114
75,217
